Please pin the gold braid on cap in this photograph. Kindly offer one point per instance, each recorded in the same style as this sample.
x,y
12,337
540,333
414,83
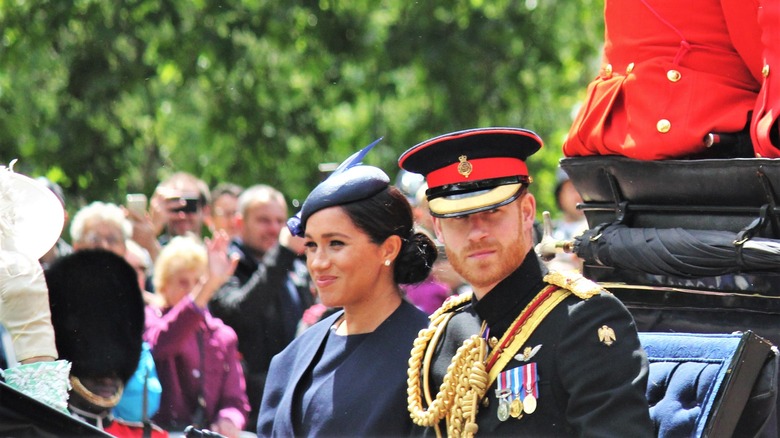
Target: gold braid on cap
x,y
97,400
465,382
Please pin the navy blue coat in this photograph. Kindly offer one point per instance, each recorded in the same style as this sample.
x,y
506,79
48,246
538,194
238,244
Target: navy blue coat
x,y
369,387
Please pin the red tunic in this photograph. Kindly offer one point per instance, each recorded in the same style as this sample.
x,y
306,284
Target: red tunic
x,y
672,72
123,429
765,115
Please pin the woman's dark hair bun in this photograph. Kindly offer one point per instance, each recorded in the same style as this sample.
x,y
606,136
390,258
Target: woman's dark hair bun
x,y
415,259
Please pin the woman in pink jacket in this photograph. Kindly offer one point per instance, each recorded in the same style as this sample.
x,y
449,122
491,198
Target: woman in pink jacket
x,y
196,354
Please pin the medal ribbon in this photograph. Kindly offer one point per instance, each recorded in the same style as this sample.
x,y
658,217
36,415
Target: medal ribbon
x,y
502,384
530,380
517,384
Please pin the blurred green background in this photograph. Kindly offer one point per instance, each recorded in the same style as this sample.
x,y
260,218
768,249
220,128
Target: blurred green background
x,y
108,97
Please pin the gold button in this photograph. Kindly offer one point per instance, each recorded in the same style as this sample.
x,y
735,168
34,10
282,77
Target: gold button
x,y
765,70
608,71
663,126
630,68
673,75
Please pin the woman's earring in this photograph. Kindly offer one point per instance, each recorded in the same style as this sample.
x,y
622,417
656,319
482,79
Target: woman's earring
x,y
387,262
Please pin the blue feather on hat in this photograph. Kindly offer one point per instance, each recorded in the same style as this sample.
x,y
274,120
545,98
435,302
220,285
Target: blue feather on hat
x,y
350,182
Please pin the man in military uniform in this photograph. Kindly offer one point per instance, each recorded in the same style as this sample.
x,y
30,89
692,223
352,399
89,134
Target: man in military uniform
x,y
531,353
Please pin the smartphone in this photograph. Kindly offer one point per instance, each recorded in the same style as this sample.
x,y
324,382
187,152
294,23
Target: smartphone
x,y
136,202
191,205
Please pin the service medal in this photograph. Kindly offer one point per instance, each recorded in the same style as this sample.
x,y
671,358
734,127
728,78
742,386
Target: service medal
x,y
529,404
503,409
516,408
530,388
502,394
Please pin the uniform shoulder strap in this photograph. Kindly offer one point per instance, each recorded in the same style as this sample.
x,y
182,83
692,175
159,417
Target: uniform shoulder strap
x,y
575,283
451,304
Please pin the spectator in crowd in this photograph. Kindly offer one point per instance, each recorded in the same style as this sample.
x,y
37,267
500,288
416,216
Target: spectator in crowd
x,y
196,353
142,263
265,299
422,216
98,316
570,224
101,225
178,207
224,209
345,376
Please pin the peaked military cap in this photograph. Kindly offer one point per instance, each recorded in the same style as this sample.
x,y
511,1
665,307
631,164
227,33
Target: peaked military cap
x,y
473,170
350,182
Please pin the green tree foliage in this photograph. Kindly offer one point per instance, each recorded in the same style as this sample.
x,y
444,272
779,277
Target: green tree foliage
x,y
106,98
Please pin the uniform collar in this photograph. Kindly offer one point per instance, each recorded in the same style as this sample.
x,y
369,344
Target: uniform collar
x,y
503,303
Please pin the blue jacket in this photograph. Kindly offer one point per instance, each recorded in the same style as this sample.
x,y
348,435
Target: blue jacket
x,y
369,387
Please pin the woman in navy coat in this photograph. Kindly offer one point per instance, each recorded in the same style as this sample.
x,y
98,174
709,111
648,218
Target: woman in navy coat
x,y
346,375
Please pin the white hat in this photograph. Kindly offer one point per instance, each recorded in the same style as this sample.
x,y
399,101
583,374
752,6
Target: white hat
x,y
31,215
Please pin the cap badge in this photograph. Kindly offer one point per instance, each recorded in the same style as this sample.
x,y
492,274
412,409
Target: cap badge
x,y
464,167
606,335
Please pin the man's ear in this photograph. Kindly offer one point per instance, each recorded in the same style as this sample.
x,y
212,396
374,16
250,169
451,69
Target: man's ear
x,y
528,208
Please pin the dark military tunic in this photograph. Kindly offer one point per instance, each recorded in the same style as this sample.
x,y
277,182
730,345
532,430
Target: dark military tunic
x,y
585,387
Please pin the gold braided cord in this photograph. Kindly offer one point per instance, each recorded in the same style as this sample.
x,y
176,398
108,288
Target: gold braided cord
x,y
97,400
471,387
441,324
464,383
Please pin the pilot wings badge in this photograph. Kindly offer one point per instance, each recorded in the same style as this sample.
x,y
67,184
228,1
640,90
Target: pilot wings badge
x,y
527,353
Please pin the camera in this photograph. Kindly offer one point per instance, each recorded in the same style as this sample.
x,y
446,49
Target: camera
x,y
191,206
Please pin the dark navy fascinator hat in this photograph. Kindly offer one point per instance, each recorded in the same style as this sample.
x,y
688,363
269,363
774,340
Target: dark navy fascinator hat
x,y
350,182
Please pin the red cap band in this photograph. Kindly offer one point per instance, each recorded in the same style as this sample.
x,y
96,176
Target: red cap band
x,y
480,169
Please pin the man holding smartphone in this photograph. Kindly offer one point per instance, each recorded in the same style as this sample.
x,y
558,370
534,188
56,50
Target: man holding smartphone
x,y
178,207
